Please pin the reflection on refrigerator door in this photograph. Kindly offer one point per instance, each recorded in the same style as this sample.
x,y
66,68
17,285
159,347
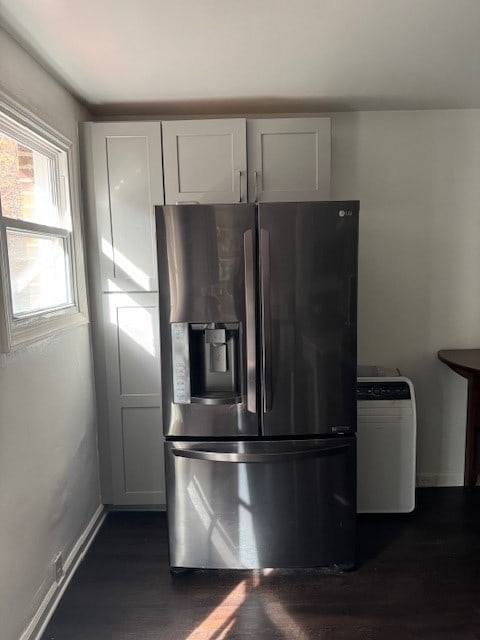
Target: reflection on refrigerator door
x,y
207,326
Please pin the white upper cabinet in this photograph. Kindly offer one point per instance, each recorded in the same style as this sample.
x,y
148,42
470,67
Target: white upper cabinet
x,y
205,161
288,159
125,167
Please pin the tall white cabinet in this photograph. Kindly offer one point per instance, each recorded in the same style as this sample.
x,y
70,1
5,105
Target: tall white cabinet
x,y
132,359
125,165
124,178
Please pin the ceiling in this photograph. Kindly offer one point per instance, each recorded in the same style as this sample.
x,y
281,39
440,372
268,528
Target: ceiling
x,y
255,56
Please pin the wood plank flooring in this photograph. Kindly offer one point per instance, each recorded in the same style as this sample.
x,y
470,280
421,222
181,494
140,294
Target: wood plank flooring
x,y
419,577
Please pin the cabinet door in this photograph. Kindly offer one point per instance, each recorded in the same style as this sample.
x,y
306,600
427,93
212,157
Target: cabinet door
x,y
132,355
126,175
288,159
205,161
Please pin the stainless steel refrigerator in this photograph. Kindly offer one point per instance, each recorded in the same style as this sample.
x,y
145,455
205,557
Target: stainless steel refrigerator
x,y
258,347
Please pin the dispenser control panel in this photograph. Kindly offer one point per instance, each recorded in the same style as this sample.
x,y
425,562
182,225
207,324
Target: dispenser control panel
x,y
180,363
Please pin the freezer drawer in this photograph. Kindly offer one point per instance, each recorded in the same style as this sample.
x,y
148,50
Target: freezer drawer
x,y
261,503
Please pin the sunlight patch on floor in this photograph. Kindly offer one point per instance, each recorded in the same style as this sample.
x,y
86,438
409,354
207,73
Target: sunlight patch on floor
x,y
219,622
285,622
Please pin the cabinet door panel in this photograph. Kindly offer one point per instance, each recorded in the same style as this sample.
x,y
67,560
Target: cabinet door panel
x,y
137,339
143,468
205,161
288,159
127,178
132,358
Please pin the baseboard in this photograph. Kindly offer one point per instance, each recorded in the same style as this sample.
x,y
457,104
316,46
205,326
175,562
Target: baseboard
x,y
135,507
47,608
439,479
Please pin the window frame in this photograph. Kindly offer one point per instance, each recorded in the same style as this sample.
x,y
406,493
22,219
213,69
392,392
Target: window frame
x,y
22,125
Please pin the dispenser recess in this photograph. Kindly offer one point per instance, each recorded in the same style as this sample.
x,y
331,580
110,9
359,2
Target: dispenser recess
x,y
206,363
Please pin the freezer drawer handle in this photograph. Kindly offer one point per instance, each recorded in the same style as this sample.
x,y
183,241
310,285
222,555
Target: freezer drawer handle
x,y
250,322
284,456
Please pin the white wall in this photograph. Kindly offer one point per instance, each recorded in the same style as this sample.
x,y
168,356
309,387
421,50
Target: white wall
x,y
49,487
417,176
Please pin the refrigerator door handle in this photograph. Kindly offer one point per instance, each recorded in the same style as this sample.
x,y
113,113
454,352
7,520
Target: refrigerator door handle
x,y
284,456
250,329
351,302
239,185
266,320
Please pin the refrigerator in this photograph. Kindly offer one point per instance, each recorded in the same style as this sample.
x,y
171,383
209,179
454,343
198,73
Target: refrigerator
x,y
258,308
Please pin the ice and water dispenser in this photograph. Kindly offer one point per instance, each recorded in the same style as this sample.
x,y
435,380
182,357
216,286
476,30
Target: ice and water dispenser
x,y
206,362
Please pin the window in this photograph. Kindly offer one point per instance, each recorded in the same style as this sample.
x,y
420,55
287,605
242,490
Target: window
x,y
39,267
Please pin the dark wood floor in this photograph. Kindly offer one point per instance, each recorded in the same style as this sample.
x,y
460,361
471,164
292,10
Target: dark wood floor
x,y
419,577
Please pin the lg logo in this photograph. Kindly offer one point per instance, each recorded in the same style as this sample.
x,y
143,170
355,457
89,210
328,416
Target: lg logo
x,y
343,213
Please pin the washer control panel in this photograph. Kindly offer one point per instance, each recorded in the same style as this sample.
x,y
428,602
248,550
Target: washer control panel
x,y
383,390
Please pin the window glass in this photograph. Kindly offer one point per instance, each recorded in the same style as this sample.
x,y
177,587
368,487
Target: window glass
x,y
27,184
41,289
39,272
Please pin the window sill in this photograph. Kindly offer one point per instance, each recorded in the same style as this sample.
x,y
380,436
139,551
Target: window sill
x,y
42,329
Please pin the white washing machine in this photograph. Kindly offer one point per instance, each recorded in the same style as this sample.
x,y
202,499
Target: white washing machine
x,y
386,441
